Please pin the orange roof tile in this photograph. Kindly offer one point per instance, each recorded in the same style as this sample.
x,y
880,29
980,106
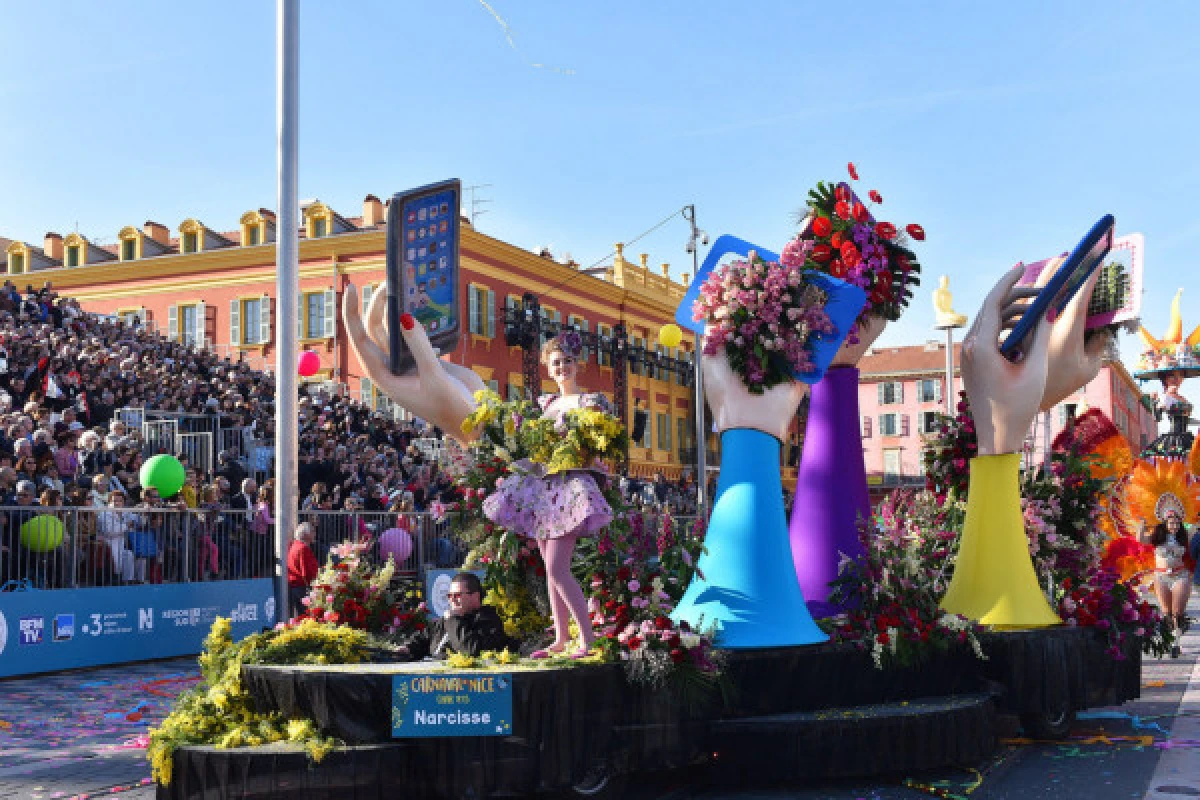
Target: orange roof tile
x,y
913,359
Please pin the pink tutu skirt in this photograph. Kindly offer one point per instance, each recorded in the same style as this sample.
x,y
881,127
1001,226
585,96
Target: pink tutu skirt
x,y
566,504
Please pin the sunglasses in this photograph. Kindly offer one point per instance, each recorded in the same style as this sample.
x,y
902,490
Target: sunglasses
x,y
456,595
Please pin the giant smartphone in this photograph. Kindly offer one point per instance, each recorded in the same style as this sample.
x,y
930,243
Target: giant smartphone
x,y
422,267
1053,298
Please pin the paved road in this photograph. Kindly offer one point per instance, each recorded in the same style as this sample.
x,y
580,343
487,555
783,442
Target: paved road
x,y
80,733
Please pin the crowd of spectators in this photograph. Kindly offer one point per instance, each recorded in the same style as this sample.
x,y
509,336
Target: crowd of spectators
x,y
66,452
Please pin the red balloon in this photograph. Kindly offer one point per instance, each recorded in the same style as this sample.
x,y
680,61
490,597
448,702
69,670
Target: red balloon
x,y
308,364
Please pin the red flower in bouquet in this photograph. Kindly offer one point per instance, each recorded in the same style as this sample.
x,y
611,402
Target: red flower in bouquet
x,y
878,246
821,253
850,254
915,231
852,170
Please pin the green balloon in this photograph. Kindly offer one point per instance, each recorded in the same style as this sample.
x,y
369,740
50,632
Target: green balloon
x,y
42,533
164,473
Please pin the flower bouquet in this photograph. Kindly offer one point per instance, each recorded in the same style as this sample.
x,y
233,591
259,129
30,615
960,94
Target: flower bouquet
x,y
839,236
350,590
895,592
1117,608
635,583
767,316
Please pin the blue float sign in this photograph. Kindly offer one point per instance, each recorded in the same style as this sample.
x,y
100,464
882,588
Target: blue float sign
x,y
451,704
50,630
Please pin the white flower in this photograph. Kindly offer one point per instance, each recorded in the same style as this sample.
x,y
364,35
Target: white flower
x,y
689,640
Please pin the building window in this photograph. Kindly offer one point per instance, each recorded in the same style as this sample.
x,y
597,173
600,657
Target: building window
x,y
317,315
73,256
128,249
681,431
664,431
186,324
929,422
551,324
253,235
190,242
16,263
929,390
513,392
890,393
481,311
888,425
604,351
252,316
891,461
314,315
638,367
320,227
866,427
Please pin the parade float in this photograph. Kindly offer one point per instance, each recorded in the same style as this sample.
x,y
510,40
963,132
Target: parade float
x,y
706,653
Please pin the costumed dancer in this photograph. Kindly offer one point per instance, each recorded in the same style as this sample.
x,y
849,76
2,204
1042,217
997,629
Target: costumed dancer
x,y
1172,572
994,581
443,394
557,510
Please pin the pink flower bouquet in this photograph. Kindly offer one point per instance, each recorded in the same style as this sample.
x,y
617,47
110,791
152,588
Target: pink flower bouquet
x,y
768,317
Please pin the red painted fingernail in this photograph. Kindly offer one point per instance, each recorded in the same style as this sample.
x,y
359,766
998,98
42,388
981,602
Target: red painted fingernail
x,y
407,321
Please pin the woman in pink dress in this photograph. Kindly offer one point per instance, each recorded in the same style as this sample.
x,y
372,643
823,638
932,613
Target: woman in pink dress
x,y
556,510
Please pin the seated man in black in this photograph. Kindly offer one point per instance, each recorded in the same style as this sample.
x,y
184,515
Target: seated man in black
x,y
468,627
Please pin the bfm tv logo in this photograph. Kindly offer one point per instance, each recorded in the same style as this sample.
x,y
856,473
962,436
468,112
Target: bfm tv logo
x,y
31,630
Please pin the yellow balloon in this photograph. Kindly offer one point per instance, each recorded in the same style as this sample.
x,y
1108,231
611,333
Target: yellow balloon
x,y
670,335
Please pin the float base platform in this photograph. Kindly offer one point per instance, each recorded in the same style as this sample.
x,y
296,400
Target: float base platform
x,y
791,715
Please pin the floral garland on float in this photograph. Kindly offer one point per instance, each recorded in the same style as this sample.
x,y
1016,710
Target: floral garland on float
x,y
354,612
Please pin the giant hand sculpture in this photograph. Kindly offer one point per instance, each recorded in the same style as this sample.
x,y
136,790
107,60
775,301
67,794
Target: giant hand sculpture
x,y
745,583
441,393
831,483
994,581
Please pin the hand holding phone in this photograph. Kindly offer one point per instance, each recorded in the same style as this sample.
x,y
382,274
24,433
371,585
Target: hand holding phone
x,y
1052,299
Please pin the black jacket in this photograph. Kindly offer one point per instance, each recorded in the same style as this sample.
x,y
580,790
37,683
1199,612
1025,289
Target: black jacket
x,y
470,634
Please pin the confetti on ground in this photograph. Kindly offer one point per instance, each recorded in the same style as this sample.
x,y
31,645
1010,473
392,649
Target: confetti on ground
x,y
62,719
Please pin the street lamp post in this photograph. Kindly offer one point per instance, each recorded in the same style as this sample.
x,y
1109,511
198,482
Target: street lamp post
x,y
698,237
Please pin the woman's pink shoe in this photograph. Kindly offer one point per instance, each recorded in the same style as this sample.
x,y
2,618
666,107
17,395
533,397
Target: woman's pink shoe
x,y
552,650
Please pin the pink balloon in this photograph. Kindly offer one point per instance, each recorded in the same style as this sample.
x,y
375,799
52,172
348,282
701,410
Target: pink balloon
x,y
397,543
308,364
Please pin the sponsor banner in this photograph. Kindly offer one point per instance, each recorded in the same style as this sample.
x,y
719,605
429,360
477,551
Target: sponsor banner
x,y
449,704
45,631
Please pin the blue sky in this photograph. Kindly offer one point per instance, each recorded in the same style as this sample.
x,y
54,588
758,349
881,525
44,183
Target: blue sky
x,y
1004,129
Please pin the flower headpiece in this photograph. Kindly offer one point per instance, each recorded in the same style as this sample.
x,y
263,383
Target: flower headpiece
x,y
839,236
571,343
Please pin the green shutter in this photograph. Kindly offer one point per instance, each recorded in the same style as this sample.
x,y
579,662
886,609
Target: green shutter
x,y
235,322
330,314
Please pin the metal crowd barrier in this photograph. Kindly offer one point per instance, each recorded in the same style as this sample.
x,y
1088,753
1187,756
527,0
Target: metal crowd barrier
x,y
66,548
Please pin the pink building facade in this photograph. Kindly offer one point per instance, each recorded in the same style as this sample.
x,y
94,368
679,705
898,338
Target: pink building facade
x,y
902,391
